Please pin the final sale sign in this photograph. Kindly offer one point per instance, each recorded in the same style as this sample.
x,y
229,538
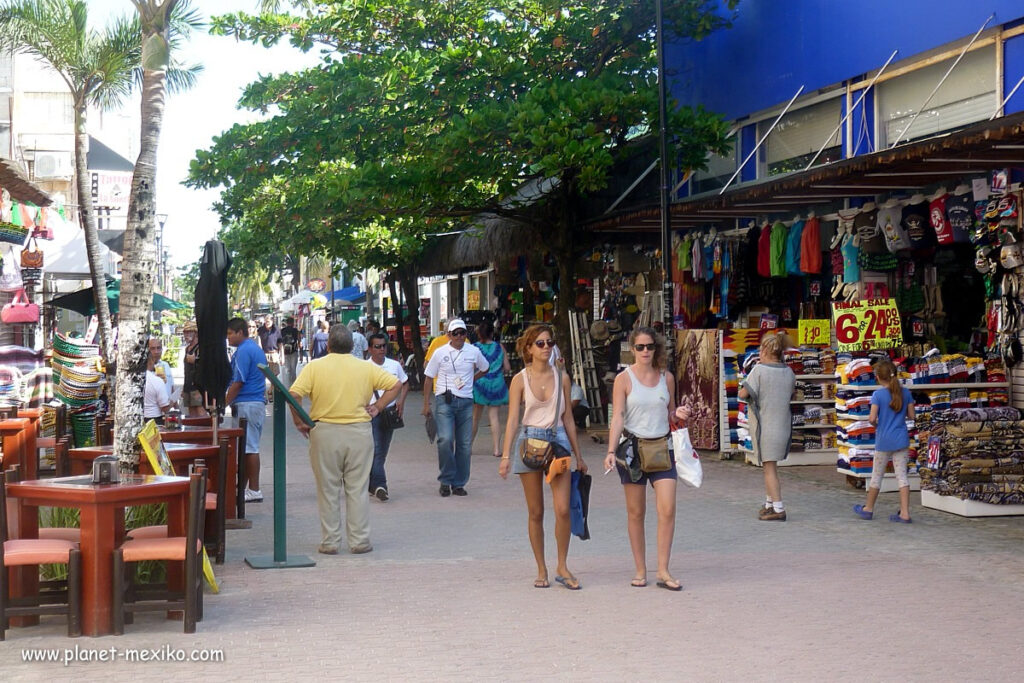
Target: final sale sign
x,y
867,324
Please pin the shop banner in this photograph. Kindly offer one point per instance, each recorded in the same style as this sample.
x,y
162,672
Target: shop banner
x,y
811,332
867,324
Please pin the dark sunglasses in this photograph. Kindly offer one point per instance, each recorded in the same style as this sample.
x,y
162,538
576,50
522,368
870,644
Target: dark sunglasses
x,y
541,343
378,346
458,333
645,347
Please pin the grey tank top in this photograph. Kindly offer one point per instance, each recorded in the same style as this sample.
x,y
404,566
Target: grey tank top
x,y
647,408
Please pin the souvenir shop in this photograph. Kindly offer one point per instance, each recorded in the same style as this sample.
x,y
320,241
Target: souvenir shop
x,y
915,256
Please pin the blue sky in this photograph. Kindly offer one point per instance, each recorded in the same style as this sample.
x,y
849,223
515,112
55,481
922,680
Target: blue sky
x,y
192,119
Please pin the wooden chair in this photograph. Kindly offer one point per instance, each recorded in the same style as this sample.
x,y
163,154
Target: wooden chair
x,y
216,512
55,597
49,533
61,456
128,597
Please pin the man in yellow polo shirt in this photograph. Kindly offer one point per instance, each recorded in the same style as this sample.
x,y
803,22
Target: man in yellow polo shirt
x,y
340,389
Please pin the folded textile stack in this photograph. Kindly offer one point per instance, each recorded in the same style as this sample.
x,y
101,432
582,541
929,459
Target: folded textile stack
x,y
976,454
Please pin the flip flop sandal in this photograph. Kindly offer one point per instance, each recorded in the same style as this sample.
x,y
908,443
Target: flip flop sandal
x,y
638,583
541,584
668,585
570,582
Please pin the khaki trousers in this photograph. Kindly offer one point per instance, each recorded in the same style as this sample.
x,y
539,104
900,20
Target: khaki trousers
x,y
341,457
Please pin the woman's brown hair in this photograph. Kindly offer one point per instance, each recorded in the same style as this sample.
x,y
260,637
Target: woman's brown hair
x,y
660,360
885,371
524,345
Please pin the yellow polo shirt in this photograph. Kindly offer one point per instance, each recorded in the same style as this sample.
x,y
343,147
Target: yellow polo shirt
x,y
340,386
435,343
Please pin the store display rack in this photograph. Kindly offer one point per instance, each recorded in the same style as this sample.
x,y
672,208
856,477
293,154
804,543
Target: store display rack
x,y
817,456
967,507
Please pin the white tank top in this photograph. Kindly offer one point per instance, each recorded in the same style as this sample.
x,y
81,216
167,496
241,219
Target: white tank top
x,y
647,408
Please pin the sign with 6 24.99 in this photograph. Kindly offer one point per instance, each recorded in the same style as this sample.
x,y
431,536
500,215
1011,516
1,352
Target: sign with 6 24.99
x,y
867,324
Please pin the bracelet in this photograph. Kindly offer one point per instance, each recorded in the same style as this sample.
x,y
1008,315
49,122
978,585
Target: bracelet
x,y
504,457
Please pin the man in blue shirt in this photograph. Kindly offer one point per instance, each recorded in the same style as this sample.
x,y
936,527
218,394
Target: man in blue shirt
x,y
247,394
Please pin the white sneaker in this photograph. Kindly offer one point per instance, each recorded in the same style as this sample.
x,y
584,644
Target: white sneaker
x,y
253,496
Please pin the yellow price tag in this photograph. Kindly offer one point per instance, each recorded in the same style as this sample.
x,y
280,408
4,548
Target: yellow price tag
x,y
814,332
867,324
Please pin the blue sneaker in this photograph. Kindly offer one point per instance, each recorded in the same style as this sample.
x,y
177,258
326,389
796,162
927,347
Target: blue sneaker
x,y
862,513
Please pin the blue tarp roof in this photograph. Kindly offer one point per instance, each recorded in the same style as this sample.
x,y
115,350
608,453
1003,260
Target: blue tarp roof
x,y
347,294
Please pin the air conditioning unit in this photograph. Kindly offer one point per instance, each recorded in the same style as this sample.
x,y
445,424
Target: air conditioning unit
x,y
53,165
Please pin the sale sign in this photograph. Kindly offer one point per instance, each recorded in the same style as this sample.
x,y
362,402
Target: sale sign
x,y
814,332
867,324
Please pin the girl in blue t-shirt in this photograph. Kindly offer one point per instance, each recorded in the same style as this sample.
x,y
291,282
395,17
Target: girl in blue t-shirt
x,y
891,407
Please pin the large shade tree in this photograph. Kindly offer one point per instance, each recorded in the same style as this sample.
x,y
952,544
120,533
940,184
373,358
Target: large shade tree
x,y
164,25
425,114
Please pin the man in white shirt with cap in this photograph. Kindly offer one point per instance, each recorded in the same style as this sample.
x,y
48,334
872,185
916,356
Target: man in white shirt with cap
x,y
448,381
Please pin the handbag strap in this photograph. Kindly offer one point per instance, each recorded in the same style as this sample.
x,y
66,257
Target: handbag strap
x,y
558,401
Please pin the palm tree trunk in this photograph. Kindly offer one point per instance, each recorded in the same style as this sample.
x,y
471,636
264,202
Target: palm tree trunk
x,y
407,278
87,218
139,268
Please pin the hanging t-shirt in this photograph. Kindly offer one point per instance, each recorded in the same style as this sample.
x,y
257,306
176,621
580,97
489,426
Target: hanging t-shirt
x,y
851,271
937,218
764,251
892,230
778,258
960,212
915,222
697,259
865,226
810,247
793,248
708,267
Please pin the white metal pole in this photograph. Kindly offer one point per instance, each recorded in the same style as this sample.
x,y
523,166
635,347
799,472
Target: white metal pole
x,y
1006,99
763,138
939,84
849,111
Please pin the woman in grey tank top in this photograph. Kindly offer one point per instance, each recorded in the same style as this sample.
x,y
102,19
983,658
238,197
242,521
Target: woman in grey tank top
x,y
643,398
547,417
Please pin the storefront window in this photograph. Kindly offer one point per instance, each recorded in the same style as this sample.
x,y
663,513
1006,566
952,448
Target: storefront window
x,y
967,96
799,136
720,168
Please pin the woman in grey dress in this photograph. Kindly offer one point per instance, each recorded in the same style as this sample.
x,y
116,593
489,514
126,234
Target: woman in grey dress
x,y
768,390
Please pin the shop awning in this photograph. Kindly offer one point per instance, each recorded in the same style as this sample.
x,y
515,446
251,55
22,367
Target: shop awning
x,y
908,168
14,180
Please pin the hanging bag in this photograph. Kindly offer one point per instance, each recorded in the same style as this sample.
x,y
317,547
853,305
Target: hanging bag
x,y
20,310
30,258
537,453
688,466
10,272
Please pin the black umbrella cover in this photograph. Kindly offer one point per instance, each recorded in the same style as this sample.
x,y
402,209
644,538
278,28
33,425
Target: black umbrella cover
x,y
213,370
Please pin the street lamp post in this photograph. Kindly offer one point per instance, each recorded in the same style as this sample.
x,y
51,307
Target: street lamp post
x,y
161,270
666,263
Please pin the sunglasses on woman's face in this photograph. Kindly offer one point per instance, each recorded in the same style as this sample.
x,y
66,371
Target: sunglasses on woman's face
x,y
541,343
645,347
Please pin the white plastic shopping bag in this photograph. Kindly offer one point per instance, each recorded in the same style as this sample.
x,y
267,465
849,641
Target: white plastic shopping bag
x,y
687,460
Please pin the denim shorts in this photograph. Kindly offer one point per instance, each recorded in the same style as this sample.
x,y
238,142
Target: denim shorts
x,y
652,477
561,438
254,412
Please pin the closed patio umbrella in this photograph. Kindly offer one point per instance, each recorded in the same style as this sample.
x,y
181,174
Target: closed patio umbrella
x,y
213,370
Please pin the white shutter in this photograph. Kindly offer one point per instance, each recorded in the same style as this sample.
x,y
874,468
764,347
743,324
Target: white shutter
x,y
803,131
967,96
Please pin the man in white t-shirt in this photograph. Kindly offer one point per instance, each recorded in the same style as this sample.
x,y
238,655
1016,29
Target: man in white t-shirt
x,y
382,431
161,367
156,400
448,383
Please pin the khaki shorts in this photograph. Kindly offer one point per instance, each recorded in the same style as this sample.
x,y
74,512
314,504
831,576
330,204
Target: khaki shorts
x,y
190,399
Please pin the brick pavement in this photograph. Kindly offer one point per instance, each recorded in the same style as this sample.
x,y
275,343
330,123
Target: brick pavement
x,y
447,592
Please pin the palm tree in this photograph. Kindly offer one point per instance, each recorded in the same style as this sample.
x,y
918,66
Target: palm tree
x,y
97,68
164,24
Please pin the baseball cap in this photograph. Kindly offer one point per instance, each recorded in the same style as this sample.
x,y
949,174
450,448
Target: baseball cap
x,y
456,324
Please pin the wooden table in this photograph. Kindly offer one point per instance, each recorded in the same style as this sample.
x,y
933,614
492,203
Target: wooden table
x,y
102,522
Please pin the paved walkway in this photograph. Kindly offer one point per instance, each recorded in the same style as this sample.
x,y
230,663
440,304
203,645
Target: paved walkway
x,y
447,592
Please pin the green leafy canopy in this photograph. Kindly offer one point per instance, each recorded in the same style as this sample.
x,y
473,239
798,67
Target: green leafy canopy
x,y
425,113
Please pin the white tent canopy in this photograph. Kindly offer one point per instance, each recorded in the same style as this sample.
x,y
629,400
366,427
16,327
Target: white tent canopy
x,y
65,257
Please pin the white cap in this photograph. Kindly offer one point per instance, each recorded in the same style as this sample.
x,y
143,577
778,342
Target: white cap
x,y
456,324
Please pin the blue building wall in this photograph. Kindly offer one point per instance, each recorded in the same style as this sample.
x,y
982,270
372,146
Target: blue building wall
x,y
775,46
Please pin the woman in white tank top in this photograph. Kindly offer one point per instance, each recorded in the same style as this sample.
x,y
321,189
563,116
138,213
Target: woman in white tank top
x,y
547,417
643,398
